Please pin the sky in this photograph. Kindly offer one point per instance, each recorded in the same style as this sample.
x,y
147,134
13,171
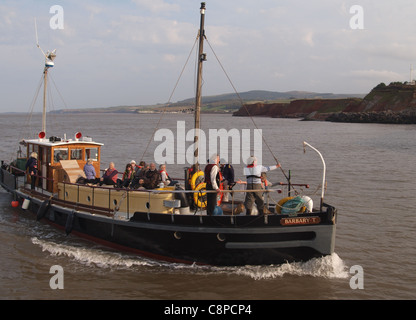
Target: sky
x,y
132,52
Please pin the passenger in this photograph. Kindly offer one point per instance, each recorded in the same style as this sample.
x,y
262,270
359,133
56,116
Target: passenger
x,y
167,181
139,174
133,165
253,175
32,164
110,175
89,171
227,172
151,177
212,179
127,176
142,165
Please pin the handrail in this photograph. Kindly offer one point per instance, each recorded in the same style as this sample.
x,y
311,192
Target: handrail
x,y
324,170
171,191
150,192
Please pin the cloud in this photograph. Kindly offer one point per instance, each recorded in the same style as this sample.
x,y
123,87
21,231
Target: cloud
x,y
377,74
308,38
8,16
151,31
157,6
282,46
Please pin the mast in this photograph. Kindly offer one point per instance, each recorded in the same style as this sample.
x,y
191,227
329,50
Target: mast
x,y
201,59
49,57
45,81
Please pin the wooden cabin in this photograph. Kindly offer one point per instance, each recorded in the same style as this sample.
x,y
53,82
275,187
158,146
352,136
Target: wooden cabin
x,y
63,160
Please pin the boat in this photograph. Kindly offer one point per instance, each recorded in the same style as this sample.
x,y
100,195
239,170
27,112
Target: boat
x,y
168,223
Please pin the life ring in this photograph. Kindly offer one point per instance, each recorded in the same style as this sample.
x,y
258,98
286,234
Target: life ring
x,y
196,179
280,204
221,195
200,198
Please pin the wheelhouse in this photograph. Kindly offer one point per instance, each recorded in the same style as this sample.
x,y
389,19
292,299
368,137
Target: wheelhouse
x,y
61,159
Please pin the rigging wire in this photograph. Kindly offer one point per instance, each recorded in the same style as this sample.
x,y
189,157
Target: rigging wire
x,y
169,101
56,88
27,124
52,108
32,105
245,107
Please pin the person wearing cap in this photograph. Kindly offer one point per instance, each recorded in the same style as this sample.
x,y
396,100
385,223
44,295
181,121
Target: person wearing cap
x,y
253,175
212,180
32,164
134,167
227,172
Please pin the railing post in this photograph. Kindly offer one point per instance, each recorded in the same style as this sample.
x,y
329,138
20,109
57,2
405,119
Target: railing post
x,y
128,205
109,200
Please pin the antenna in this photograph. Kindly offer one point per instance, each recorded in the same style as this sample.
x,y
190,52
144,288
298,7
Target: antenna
x,y
37,39
49,56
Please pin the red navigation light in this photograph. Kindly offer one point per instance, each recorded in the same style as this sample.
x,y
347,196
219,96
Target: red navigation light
x,y
41,135
78,135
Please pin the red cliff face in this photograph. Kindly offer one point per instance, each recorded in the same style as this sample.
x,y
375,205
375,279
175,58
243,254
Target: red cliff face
x,y
296,108
262,109
394,98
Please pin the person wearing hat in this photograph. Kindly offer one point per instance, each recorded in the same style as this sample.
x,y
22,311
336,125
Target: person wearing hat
x,y
253,175
212,179
134,167
32,164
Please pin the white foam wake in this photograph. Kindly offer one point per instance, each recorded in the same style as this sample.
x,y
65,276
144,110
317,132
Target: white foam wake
x,y
90,256
330,267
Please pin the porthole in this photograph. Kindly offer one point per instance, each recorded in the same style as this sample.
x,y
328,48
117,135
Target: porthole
x,y
88,198
177,235
115,202
220,237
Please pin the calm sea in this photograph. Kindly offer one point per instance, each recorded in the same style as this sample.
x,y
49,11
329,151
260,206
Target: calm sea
x,y
371,180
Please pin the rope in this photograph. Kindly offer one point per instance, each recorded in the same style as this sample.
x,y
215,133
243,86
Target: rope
x,y
157,125
27,126
169,101
242,103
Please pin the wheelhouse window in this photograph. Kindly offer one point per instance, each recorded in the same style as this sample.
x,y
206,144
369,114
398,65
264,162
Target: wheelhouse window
x,y
76,154
33,148
60,154
91,153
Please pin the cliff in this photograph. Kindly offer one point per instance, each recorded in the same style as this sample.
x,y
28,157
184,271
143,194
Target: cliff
x,y
395,103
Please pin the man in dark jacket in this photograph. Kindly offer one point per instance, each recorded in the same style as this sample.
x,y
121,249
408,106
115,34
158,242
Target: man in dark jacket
x,y
32,164
227,171
150,178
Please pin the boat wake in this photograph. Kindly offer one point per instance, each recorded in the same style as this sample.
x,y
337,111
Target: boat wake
x,y
92,256
329,267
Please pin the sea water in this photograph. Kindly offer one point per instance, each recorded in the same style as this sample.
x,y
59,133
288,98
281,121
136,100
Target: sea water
x,y
370,180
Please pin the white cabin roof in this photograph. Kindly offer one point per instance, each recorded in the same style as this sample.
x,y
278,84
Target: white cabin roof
x,y
48,143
